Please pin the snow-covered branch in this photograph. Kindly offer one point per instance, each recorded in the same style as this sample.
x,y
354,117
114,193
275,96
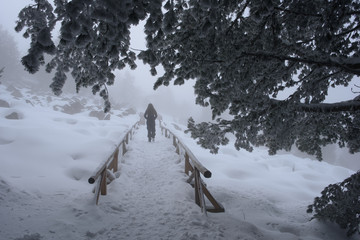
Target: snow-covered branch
x,y
351,65
345,106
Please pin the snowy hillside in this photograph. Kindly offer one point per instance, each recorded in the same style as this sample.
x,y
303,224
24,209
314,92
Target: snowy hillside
x,y
49,146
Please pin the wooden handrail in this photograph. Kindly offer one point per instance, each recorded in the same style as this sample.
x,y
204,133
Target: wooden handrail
x,y
103,166
193,165
104,169
205,172
176,141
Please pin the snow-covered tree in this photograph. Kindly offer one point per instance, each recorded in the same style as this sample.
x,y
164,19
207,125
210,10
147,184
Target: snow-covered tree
x,y
242,54
94,39
340,203
9,58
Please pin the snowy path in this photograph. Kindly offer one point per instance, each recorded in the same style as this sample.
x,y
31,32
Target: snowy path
x,y
149,201
151,198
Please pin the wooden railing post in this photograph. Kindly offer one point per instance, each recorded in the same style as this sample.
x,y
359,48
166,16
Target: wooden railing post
x,y
103,183
196,186
123,148
199,194
188,166
127,138
217,206
174,141
115,162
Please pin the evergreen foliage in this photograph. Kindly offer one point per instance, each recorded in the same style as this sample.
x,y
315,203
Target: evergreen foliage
x,y
242,54
340,203
94,39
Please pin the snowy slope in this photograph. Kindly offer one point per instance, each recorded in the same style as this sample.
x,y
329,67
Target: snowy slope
x,y
46,157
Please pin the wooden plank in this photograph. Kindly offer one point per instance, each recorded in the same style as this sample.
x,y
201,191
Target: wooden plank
x,y
196,186
174,141
103,183
191,177
188,166
199,194
97,193
217,206
215,210
123,148
115,161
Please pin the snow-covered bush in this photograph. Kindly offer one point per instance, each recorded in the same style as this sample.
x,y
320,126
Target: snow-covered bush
x,y
340,203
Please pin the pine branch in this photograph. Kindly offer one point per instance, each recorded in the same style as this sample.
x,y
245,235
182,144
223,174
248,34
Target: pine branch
x,y
344,106
298,13
349,67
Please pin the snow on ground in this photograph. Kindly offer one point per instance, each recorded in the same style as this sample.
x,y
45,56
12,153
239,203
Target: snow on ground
x,y
46,157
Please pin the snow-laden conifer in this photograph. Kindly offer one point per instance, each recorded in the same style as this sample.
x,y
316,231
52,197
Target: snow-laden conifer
x,y
242,55
340,203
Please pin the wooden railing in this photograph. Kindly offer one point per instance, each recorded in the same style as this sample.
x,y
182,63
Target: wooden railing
x,y
106,172
193,168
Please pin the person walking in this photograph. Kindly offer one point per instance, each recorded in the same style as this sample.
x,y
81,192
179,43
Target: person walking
x,y
150,115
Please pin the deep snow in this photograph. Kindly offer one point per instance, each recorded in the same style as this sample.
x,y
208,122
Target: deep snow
x,y
46,157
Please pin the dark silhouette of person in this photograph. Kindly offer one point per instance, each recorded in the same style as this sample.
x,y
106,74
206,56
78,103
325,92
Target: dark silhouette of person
x,y
150,115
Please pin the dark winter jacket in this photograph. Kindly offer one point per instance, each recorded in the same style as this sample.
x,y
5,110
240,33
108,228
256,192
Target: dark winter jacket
x,y
150,116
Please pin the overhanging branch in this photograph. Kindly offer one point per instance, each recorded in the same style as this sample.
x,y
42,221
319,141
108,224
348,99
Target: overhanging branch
x,y
345,106
350,67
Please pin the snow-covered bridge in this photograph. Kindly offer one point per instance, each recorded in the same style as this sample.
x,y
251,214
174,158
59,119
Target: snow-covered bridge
x,y
109,170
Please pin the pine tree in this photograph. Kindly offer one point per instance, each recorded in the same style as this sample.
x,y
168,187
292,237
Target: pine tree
x,y
94,39
241,54
340,203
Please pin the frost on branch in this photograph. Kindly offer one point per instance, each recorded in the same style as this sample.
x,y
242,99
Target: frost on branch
x,y
94,38
340,203
244,54
211,141
40,21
